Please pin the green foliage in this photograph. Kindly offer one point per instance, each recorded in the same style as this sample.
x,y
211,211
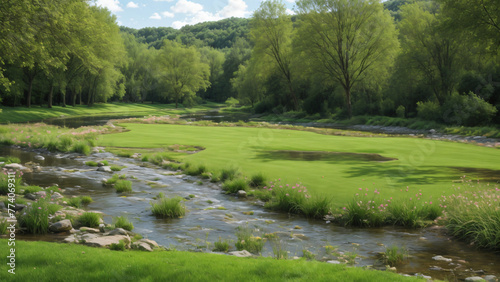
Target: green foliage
x,y
117,247
257,180
429,110
279,249
3,226
89,219
113,179
86,200
221,246
308,254
74,202
246,240
196,170
10,160
116,167
468,110
231,102
400,111
229,173
233,186
35,218
168,207
31,189
4,183
82,148
394,255
123,186
91,163
123,222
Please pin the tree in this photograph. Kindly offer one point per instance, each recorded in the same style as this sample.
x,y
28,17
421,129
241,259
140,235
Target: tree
x,y
182,71
430,48
249,83
346,39
272,34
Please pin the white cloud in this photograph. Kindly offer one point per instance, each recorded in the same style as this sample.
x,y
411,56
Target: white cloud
x,y
163,0
167,14
155,16
132,5
234,8
187,7
112,5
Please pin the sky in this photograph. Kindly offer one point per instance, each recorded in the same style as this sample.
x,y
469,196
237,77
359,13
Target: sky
x,y
177,13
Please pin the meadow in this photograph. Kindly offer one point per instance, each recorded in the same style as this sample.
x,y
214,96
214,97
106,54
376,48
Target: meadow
x,y
23,114
42,261
335,167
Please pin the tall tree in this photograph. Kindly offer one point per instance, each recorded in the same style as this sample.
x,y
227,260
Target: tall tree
x,y
272,33
182,71
346,39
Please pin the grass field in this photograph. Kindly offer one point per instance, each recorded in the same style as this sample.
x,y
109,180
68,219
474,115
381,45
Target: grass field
x,y
23,114
426,165
42,261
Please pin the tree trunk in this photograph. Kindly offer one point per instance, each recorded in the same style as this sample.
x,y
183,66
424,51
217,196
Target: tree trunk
x,y
348,97
73,100
49,102
80,96
28,99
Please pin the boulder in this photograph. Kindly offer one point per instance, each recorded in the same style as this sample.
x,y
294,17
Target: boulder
x,y
56,196
104,168
15,166
117,231
142,246
105,241
19,207
39,158
241,254
333,261
101,227
491,278
90,230
61,226
40,194
151,243
37,168
99,164
242,194
441,258
30,196
71,239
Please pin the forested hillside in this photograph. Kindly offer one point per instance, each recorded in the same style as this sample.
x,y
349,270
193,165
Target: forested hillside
x,y
436,60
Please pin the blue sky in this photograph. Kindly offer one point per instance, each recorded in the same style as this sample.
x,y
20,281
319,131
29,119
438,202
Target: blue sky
x,y
177,13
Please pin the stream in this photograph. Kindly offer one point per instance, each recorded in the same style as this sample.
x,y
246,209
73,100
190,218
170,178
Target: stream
x,y
212,215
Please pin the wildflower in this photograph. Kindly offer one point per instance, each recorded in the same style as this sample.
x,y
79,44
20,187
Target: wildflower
x,y
287,194
300,191
39,208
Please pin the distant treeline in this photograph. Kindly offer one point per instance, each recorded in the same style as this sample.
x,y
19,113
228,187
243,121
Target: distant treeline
x,y
435,59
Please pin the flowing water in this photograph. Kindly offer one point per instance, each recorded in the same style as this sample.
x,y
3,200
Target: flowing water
x,y
212,215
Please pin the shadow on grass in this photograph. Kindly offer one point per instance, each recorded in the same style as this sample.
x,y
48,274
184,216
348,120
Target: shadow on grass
x,y
333,157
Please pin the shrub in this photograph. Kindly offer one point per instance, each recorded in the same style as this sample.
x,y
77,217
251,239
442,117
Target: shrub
x,y
86,200
429,110
65,143
82,148
257,180
123,222
116,167
168,207
89,219
117,247
228,173
123,186
221,246
91,163
400,111
394,255
246,240
468,110
35,218
233,186
198,170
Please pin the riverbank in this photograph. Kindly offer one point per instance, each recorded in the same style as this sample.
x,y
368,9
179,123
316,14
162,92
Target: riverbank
x,y
33,114
41,261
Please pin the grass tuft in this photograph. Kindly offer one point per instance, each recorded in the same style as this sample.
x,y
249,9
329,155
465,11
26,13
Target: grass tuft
x,y
168,207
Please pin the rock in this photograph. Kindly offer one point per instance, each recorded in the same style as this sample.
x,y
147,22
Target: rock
x,y
37,168
242,194
99,164
70,239
241,254
491,278
19,207
105,241
104,168
432,131
435,268
30,196
40,194
14,166
61,226
90,230
56,196
295,258
392,269
333,261
151,243
142,246
441,258
423,276
101,228
118,231
39,158
474,278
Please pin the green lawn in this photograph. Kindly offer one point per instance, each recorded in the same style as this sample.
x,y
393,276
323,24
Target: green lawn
x,y
421,164
42,261
36,113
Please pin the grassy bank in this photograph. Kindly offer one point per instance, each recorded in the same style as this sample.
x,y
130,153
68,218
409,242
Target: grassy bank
x,y
41,261
22,114
338,166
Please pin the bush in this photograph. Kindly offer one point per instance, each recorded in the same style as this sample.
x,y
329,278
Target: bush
x,y
123,222
246,240
468,110
123,186
400,111
429,110
117,247
257,180
228,173
35,218
221,246
168,207
233,186
64,144
89,219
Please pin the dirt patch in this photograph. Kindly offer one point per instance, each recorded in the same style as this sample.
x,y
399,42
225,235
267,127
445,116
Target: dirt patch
x,y
324,156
